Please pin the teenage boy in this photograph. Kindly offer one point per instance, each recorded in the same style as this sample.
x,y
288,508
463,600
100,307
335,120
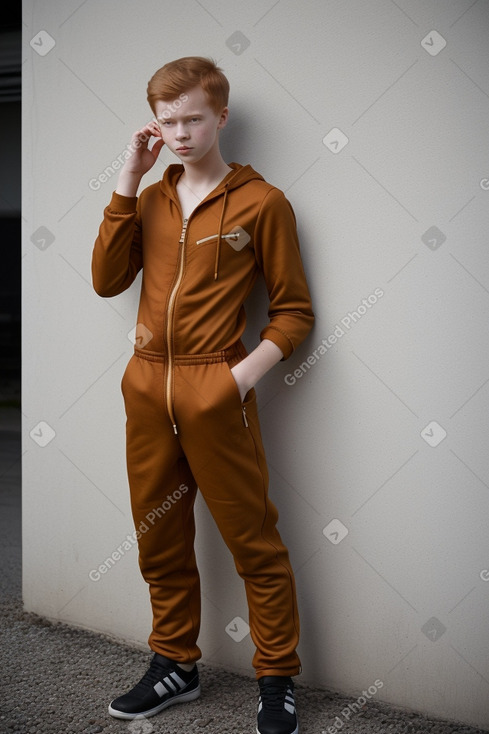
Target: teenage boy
x,y
201,236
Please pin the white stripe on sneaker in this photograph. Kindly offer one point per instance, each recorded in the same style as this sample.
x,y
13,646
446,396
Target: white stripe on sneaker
x,y
177,678
170,684
160,689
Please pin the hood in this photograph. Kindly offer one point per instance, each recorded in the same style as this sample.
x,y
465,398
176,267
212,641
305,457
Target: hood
x,y
235,178
239,176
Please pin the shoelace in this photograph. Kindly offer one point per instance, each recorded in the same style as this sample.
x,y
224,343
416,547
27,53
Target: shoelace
x,y
273,697
154,673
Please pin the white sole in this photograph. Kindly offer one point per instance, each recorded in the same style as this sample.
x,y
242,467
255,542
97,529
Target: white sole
x,y
181,698
296,730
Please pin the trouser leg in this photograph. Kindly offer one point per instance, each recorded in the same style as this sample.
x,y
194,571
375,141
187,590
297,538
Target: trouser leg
x,y
162,491
227,459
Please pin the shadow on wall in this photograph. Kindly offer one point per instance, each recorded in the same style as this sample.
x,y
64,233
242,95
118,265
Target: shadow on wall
x,y
235,143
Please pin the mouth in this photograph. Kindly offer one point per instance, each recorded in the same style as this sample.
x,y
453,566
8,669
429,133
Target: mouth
x,y
183,148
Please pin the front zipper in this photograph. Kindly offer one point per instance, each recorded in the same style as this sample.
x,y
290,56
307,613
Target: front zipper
x,y
169,327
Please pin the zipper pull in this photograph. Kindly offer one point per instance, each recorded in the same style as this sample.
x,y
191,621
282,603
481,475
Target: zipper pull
x,y
245,420
184,229
175,429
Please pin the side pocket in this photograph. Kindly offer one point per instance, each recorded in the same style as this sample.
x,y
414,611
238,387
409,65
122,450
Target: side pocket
x,y
236,388
249,395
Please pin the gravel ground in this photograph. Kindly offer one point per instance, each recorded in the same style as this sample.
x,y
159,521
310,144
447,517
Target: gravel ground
x,y
56,679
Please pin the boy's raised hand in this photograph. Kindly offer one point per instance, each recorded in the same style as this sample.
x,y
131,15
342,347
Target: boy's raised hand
x,y
142,158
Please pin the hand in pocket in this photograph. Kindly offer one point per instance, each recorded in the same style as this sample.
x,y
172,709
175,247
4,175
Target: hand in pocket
x,y
242,387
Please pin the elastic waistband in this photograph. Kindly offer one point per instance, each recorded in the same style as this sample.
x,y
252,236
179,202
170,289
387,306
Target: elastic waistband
x,y
223,355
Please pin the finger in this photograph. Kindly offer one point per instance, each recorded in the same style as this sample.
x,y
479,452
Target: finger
x,y
154,128
157,147
143,135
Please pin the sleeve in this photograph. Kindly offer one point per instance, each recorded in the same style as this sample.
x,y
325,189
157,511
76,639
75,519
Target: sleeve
x,y
117,253
278,255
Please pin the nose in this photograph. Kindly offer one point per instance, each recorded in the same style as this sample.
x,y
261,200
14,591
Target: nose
x,y
182,133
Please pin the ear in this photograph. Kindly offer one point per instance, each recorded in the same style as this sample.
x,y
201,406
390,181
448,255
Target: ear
x,y
223,118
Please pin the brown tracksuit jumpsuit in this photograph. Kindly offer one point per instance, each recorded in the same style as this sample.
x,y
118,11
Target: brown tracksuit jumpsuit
x,y
187,427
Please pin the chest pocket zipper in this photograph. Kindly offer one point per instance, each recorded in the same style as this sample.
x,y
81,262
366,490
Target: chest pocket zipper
x,y
231,236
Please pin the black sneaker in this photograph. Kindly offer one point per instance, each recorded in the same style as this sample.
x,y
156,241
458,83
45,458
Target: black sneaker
x,y
162,685
276,707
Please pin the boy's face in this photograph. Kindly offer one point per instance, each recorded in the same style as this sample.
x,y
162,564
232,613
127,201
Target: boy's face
x,y
189,126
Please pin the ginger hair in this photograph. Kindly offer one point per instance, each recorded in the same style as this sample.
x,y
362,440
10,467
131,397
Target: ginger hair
x,y
179,76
